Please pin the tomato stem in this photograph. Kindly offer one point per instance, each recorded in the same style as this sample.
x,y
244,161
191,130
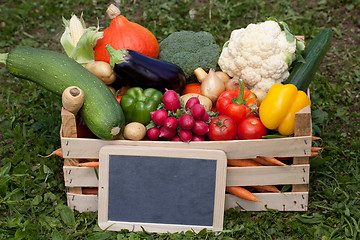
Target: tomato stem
x,y
240,98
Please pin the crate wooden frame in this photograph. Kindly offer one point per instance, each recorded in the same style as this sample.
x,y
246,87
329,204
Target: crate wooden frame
x,y
296,174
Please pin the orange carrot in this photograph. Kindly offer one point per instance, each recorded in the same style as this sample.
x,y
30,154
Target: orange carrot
x,y
315,138
266,188
242,193
243,163
316,149
314,154
89,164
269,161
57,152
89,190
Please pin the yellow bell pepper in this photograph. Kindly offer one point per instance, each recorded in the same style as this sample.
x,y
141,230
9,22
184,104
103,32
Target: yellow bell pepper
x,y
277,110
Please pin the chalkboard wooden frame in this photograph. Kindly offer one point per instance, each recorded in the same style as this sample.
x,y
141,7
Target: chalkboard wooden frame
x,y
120,153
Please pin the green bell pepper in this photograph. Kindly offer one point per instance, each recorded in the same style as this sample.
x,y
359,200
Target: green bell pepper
x,y
138,103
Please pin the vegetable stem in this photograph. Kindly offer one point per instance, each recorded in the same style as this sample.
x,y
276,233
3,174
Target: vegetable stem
x,y
240,98
116,56
3,57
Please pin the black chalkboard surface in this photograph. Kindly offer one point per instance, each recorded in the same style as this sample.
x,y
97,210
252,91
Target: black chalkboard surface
x,y
161,189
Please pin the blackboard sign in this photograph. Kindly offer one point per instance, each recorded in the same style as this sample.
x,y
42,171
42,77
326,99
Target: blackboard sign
x,y
161,189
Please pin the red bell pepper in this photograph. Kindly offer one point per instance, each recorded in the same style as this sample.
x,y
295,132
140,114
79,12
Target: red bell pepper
x,y
238,104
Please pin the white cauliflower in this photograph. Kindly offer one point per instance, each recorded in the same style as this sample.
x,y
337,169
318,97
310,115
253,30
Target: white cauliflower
x,y
259,54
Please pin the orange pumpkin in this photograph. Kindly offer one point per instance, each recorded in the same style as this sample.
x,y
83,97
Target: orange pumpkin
x,y
124,34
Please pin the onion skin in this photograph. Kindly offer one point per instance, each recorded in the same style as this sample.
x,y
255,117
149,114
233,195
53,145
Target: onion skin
x,y
232,84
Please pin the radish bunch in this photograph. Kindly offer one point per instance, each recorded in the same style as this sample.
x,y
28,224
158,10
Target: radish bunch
x,y
179,123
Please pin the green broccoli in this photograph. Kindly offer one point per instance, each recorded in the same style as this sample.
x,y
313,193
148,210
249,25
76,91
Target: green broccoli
x,y
190,50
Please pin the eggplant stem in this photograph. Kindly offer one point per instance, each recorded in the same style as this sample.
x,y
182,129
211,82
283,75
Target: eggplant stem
x,y
116,56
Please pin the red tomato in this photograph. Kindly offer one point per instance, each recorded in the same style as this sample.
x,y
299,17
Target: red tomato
x,y
222,128
251,128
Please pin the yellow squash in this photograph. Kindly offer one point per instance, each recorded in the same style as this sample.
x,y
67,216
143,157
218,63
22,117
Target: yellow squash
x,y
277,110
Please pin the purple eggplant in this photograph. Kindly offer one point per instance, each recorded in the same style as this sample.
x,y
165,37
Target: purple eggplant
x,y
136,69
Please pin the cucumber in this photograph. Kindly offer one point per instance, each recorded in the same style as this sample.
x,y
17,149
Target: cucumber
x,y
303,72
55,71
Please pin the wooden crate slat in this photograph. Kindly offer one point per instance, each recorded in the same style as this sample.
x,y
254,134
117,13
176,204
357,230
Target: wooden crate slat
x,y
82,203
290,201
267,175
280,147
80,176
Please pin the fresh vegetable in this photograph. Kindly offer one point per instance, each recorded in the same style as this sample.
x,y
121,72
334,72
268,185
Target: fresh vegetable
x,y
201,75
171,123
57,152
191,102
304,71
200,128
266,188
260,54
145,72
191,88
222,128
79,41
232,84
134,131
185,135
238,104
242,193
186,121
268,161
212,86
102,70
197,138
124,34
153,133
167,133
205,101
55,72
243,163
93,164
171,100
73,99
159,116
137,104
277,110
251,128
190,50
197,111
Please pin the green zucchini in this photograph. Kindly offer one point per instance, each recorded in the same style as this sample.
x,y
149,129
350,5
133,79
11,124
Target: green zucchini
x,y
303,72
55,71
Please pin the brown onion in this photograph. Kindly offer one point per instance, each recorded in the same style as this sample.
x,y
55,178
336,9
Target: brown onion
x,y
212,86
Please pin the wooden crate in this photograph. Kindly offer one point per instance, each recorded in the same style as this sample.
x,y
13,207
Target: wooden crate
x,y
78,179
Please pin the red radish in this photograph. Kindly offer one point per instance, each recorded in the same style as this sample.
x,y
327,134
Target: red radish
x,y
197,138
171,123
176,139
206,117
191,102
167,133
185,135
186,121
200,128
159,116
153,133
171,100
198,111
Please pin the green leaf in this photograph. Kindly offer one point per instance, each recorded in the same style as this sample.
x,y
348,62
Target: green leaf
x,y
67,215
36,200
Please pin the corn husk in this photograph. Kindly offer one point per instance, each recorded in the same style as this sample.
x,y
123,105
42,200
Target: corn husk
x,y
79,41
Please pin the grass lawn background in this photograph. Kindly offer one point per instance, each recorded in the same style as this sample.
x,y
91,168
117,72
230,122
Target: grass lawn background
x,y
32,192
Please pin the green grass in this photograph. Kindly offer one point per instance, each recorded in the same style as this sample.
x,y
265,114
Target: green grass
x,y
32,192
